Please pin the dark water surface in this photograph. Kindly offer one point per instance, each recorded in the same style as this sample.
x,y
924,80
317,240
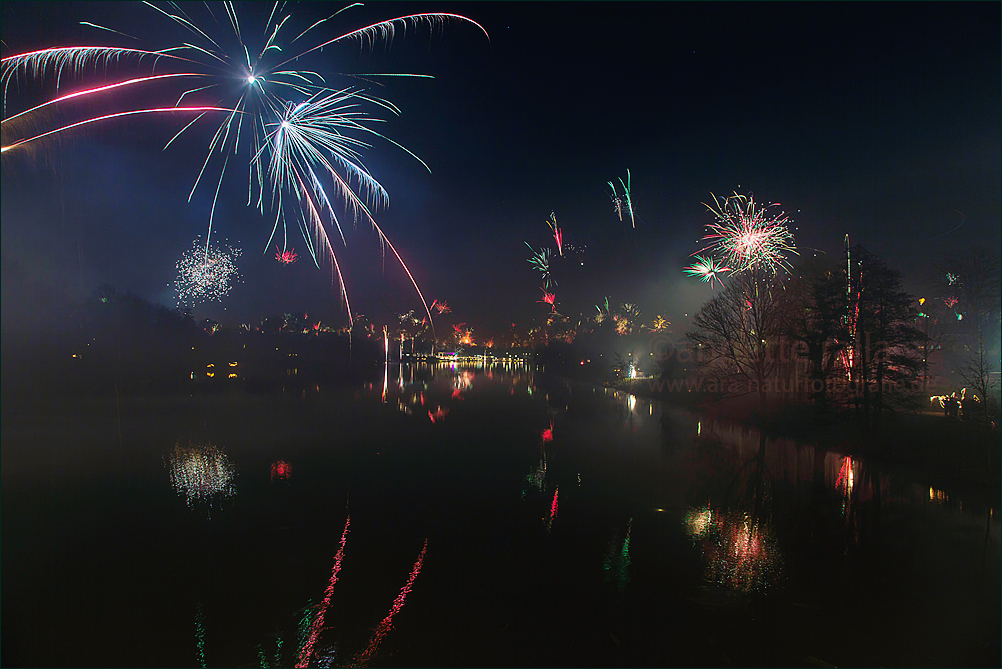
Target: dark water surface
x,y
566,525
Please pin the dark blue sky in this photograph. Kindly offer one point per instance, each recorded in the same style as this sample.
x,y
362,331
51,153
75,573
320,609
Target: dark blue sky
x,y
877,120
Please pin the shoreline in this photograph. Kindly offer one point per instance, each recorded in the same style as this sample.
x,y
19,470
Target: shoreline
x,y
921,445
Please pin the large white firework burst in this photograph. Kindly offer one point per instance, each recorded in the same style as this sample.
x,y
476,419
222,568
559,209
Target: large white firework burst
x,y
205,273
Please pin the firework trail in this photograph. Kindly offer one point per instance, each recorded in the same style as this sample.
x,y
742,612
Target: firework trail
x,y
748,238
706,268
261,114
847,353
205,273
540,261
558,236
366,656
318,623
624,201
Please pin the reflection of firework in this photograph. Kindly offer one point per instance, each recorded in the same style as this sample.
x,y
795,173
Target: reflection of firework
x,y
280,469
318,623
740,553
617,563
205,273
698,522
366,656
746,237
201,472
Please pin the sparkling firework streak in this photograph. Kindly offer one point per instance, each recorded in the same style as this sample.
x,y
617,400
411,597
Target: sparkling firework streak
x,y
205,273
325,124
386,625
620,202
318,623
746,237
706,268
558,236
286,257
201,473
540,261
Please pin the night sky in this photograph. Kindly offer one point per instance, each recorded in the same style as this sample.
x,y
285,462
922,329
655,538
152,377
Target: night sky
x,y
877,120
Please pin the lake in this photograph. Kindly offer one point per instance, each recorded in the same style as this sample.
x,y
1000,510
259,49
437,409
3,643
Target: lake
x,y
538,522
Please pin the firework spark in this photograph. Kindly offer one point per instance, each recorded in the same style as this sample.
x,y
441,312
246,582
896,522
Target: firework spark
x,y
558,236
205,274
540,261
286,257
441,306
706,268
746,237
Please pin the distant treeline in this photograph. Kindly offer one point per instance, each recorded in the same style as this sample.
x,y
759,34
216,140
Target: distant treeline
x,y
121,342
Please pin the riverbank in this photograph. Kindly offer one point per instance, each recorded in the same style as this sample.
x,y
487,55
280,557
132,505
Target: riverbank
x,y
928,446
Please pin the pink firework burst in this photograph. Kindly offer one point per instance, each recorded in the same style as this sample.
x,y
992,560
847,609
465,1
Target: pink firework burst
x,y
747,237
550,299
286,257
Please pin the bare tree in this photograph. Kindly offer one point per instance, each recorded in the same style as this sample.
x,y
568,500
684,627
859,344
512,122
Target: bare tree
x,y
738,332
980,377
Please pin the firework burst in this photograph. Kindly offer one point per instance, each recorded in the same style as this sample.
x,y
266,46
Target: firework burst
x,y
286,257
205,274
706,268
623,202
746,237
540,261
297,135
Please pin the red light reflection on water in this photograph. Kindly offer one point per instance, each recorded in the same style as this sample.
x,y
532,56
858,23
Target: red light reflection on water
x,y
280,470
318,623
363,658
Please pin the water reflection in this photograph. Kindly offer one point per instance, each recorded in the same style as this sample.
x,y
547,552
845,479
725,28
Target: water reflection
x,y
201,472
617,560
280,470
740,552
548,521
